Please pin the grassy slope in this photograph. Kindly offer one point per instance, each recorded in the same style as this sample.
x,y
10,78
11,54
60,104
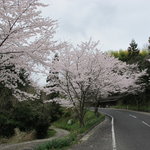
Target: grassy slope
x,y
24,137
131,107
75,131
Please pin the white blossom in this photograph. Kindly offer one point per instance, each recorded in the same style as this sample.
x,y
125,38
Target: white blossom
x,y
26,39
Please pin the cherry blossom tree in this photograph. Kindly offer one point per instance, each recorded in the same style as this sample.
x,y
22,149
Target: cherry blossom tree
x,y
115,77
26,39
75,67
84,69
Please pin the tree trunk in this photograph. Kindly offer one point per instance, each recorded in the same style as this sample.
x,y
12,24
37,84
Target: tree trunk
x,y
137,102
81,116
96,109
81,121
82,110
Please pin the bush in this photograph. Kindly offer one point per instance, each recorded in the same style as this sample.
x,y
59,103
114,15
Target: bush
x,y
24,114
56,144
75,130
41,126
50,113
53,110
29,115
7,126
32,115
67,112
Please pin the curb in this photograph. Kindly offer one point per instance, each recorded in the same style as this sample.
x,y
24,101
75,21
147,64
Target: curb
x,y
84,137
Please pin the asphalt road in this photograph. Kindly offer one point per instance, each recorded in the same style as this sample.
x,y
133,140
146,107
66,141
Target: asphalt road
x,y
100,139
122,130
131,129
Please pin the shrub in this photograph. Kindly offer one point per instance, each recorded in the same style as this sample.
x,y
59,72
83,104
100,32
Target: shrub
x,y
67,113
41,126
76,132
56,144
7,126
29,115
25,116
53,110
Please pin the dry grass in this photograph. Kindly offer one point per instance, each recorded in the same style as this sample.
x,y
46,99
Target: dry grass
x,y
19,137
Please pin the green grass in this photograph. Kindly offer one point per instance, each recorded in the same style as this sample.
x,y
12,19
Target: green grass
x,y
90,120
57,144
75,131
131,107
51,133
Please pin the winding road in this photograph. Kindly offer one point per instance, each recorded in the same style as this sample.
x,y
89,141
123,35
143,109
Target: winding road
x,y
122,130
132,129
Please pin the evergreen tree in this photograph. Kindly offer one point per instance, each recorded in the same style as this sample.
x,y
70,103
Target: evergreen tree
x,y
149,44
132,49
52,80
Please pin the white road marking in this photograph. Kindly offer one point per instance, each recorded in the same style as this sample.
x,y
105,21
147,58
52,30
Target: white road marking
x,y
132,116
145,123
113,132
113,135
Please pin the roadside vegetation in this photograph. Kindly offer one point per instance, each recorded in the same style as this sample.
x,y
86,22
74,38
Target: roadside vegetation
x,y
139,101
28,119
70,122
133,107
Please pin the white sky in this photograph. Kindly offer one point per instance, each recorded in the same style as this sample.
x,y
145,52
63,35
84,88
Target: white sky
x,y
113,22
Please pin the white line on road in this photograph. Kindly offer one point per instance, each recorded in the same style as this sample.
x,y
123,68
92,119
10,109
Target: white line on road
x,y
113,135
145,123
132,116
113,132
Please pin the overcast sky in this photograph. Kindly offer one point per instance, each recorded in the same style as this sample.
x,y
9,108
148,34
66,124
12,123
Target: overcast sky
x,y
113,22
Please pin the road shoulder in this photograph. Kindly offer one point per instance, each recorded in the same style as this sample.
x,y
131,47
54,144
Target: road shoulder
x,y
98,138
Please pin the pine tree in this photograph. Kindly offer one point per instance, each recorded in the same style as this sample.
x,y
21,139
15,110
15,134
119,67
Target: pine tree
x,y
52,80
132,49
149,44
